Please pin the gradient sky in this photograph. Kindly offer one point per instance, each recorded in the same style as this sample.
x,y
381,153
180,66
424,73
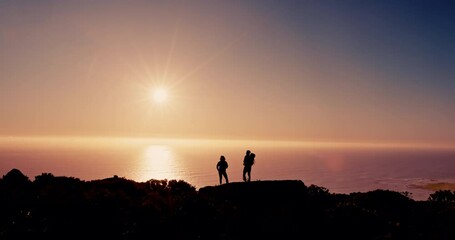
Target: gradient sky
x,y
368,71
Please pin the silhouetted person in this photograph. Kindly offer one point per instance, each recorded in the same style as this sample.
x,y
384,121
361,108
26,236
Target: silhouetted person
x,y
221,166
248,161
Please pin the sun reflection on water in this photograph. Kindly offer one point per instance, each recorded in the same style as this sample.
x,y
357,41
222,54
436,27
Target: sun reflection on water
x,y
158,162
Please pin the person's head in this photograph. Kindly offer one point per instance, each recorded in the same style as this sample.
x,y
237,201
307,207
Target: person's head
x,y
222,158
248,152
252,155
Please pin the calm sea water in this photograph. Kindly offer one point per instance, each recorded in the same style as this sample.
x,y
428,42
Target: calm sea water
x,y
340,169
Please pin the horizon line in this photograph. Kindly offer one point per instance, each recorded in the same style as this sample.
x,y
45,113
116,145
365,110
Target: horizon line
x,y
231,141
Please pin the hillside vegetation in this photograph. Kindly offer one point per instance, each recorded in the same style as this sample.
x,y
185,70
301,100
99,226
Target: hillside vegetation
x,y
52,207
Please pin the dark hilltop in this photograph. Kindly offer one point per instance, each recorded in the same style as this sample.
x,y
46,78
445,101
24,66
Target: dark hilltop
x,y
54,207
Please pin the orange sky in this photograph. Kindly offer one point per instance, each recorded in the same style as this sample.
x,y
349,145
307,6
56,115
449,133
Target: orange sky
x,y
232,71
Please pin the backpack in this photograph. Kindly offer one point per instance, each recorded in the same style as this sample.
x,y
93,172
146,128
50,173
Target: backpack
x,y
252,158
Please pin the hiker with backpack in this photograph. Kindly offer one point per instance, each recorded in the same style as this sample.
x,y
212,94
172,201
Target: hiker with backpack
x,y
248,161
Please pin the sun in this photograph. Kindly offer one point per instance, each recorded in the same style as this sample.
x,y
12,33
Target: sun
x,y
159,95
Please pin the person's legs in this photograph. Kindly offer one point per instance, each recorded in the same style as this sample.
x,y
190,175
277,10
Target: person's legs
x,y
249,175
221,175
244,172
226,177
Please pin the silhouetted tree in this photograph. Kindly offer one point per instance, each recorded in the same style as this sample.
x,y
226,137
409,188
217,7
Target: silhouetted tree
x,y
446,196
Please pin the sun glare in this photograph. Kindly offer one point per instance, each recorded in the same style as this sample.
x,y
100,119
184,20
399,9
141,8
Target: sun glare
x,y
158,162
159,95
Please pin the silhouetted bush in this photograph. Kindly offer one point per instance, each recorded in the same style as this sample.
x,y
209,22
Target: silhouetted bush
x,y
15,177
445,196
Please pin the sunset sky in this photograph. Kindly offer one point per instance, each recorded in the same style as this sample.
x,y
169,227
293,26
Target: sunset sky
x,y
353,71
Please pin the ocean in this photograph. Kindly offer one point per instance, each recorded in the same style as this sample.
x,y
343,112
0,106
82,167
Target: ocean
x,y
341,168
